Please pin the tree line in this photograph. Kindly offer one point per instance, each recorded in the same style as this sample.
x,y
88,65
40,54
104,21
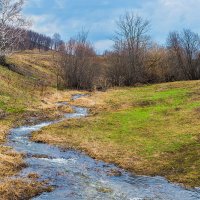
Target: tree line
x,y
134,59
33,40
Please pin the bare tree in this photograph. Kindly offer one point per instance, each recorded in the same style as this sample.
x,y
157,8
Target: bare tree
x,y
58,59
33,40
12,23
157,66
56,41
116,70
131,42
185,52
78,63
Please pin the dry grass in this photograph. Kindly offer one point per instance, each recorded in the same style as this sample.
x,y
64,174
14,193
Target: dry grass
x,y
4,130
10,162
22,189
152,130
36,64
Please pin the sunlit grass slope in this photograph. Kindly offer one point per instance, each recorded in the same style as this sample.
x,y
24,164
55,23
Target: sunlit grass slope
x,y
36,64
21,97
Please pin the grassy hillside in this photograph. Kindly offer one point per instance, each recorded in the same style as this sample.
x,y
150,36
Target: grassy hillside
x,y
21,97
152,130
16,91
36,64
20,93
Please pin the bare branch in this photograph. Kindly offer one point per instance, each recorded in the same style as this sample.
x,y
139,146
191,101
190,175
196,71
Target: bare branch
x,y
12,25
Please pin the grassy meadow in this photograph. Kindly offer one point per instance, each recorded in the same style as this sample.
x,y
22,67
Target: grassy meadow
x,y
149,130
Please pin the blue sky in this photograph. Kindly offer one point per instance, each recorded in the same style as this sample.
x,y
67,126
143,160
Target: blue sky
x,y
99,16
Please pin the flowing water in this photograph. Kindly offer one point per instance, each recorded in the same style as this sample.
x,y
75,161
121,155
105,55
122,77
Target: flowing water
x,y
76,176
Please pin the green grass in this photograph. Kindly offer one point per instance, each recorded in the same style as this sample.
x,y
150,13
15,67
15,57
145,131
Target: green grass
x,y
16,91
150,130
150,126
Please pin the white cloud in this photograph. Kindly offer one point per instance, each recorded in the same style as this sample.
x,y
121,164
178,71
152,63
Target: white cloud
x,y
46,24
102,45
169,15
165,16
34,3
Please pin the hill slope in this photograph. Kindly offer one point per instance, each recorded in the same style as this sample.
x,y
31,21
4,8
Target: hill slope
x,y
22,96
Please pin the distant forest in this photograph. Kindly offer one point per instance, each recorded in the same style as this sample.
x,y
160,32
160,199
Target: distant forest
x,y
33,40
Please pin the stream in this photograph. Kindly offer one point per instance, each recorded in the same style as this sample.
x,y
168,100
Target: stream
x,y
77,176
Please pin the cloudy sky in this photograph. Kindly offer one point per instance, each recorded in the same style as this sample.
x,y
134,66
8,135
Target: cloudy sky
x,y
99,16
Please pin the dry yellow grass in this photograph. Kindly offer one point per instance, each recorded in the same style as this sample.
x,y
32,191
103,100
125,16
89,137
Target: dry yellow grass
x,y
3,131
37,64
21,189
10,162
